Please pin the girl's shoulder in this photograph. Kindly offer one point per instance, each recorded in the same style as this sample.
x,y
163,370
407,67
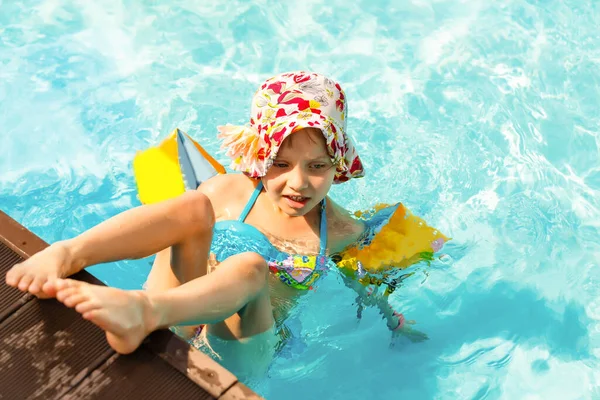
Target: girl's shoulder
x,y
343,228
228,192
230,183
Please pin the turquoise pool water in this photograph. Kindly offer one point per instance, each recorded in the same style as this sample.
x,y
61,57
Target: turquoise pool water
x,y
482,117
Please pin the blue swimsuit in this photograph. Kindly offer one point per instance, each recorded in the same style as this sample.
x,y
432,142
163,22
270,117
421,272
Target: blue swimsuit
x,y
298,271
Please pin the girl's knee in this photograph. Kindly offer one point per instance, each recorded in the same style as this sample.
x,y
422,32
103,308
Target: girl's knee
x,y
255,265
197,210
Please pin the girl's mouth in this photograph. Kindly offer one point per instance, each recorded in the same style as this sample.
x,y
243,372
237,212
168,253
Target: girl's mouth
x,y
297,201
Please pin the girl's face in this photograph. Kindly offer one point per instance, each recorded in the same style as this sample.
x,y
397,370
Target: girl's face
x,y
302,173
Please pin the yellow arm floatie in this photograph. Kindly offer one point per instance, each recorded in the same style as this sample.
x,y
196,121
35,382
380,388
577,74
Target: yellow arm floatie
x,y
395,239
158,170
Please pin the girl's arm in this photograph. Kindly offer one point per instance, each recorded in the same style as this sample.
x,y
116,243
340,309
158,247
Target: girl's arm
x,y
347,231
374,295
370,296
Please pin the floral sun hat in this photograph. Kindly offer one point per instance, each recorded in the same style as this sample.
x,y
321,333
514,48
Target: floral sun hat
x,y
282,105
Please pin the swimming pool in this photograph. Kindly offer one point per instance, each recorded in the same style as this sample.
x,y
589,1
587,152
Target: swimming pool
x,y
480,116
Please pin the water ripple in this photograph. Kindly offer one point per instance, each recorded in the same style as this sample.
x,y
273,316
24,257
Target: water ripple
x,y
479,116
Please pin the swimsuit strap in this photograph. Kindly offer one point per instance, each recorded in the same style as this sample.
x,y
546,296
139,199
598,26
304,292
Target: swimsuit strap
x,y
323,233
251,202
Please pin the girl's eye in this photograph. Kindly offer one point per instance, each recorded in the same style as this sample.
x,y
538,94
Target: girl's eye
x,y
280,164
318,166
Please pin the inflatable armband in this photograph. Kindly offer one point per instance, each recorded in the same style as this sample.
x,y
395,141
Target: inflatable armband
x,y
395,238
177,164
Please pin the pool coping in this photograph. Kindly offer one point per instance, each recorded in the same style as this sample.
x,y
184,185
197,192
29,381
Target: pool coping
x,y
196,366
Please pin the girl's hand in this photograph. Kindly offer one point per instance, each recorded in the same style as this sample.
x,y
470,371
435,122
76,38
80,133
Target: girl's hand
x,y
403,327
369,297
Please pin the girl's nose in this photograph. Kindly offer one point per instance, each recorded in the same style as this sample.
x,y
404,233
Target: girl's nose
x,y
297,179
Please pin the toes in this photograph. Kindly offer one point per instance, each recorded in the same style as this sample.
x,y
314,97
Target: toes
x,y
63,294
90,315
74,300
37,285
62,284
86,306
73,293
25,282
49,288
13,275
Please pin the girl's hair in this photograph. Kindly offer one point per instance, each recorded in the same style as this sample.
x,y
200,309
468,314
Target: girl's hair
x,y
315,135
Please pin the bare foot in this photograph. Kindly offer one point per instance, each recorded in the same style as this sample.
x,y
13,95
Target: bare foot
x,y
32,274
126,316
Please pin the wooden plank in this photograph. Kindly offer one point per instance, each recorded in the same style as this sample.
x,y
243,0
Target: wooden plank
x,y
200,368
10,299
49,351
20,239
239,391
141,375
46,349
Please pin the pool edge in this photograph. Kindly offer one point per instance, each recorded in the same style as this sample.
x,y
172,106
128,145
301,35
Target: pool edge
x,y
197,367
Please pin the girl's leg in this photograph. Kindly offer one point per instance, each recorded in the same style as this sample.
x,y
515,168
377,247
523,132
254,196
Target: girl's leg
x,y
136,233
181,262
187,261
128,317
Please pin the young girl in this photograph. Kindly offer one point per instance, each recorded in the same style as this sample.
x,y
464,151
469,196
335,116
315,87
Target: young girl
x,y
235,253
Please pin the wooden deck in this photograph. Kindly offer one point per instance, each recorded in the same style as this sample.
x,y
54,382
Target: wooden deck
x,y
48,351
